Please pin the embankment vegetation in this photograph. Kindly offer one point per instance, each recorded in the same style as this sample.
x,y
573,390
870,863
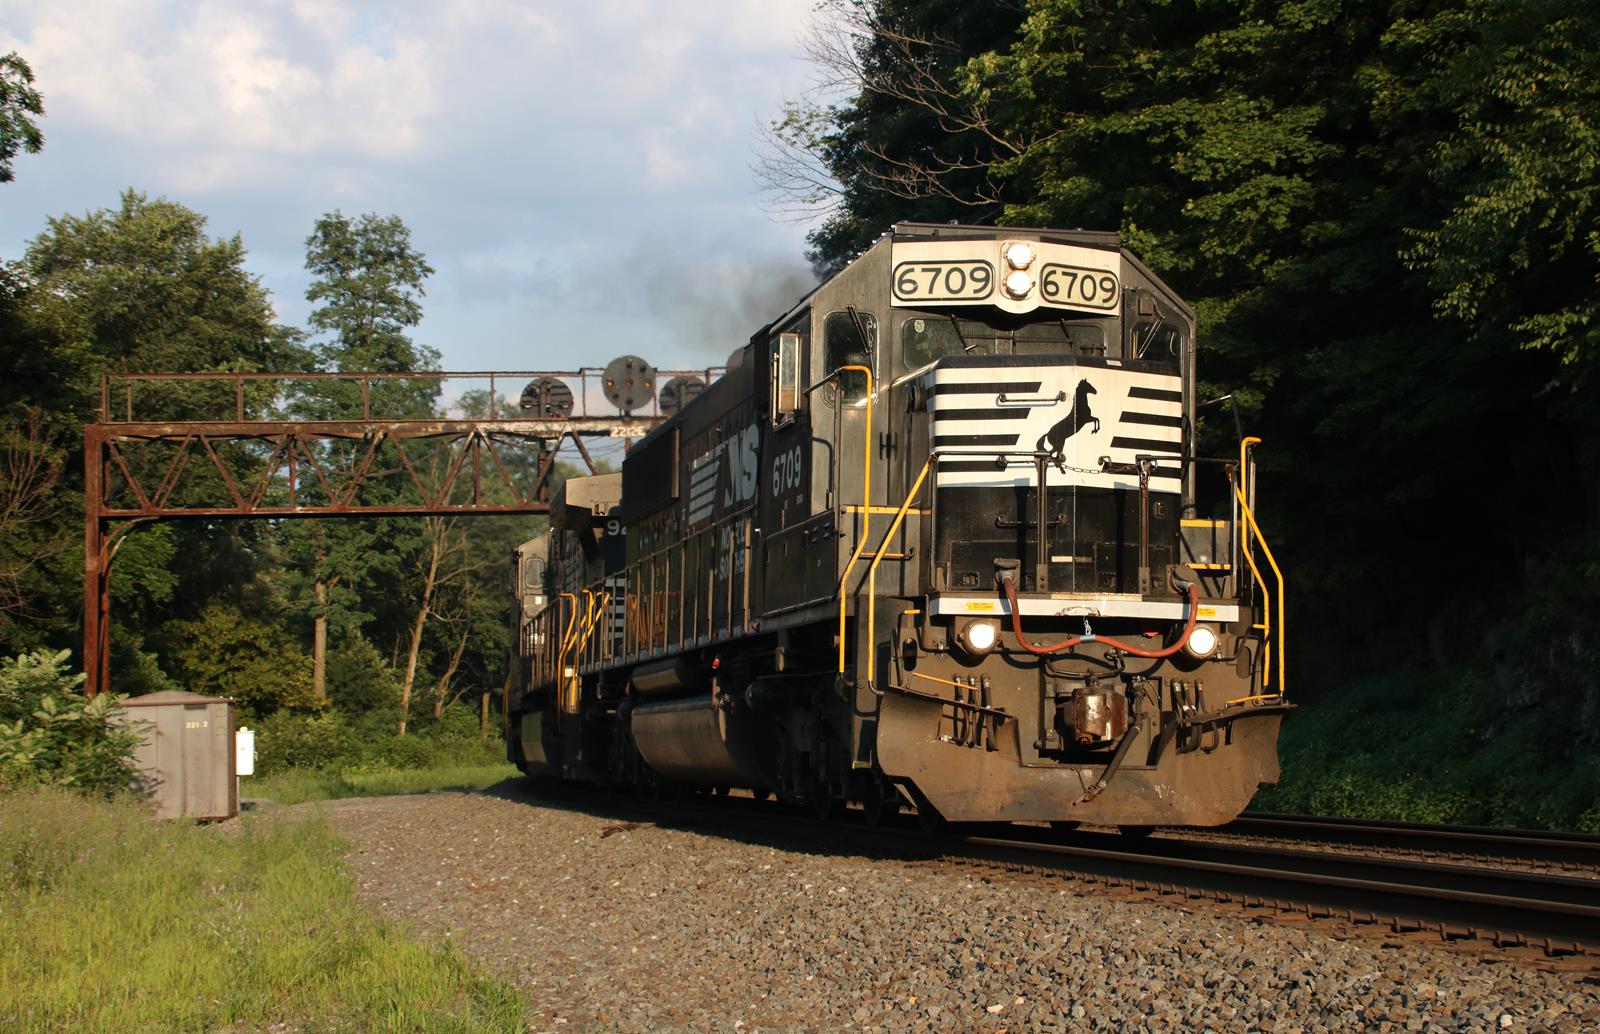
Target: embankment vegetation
x,y
112,922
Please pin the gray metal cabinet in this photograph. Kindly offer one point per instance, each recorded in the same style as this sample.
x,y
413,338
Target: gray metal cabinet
x,y
186,758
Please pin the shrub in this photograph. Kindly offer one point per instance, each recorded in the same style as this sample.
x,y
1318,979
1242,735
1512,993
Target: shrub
x,y
360,681
51,735
289,739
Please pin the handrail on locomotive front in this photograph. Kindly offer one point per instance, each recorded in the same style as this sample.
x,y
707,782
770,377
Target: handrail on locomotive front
x,y
1254,529
877,558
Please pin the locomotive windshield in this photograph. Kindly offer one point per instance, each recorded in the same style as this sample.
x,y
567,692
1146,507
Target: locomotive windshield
x,y
924,338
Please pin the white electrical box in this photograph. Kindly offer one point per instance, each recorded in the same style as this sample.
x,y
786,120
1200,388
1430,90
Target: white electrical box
x,y
244,752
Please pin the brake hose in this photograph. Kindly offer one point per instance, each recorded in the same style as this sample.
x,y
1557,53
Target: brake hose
x,y
1010,589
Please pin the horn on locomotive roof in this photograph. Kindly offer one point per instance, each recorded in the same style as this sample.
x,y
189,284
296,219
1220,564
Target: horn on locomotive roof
x,y
629,382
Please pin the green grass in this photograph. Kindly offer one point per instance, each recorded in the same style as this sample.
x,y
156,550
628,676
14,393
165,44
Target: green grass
x,y
320,784
111,921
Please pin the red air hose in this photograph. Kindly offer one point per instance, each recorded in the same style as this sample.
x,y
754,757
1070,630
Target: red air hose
x,y
1010,589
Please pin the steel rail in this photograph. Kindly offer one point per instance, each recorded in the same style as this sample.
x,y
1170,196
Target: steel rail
x,y
1530,845
1559,914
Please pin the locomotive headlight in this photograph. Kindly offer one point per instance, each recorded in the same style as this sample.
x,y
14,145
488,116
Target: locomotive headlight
x,y
1019,255
1018,283
978,637
1202,642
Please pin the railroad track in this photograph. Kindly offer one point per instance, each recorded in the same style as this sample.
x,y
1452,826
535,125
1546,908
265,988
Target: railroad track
x,y
1550,917
1559,916
1575,850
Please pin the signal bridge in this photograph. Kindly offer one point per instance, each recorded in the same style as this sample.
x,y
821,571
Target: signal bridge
x,y
223,446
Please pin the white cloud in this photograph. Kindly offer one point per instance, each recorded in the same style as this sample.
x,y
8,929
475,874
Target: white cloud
x,y
510,134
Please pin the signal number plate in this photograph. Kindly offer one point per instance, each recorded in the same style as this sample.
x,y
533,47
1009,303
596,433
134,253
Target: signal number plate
x,y
964,281
1078,288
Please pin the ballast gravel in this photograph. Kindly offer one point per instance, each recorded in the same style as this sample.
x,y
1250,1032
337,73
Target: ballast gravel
x,y
610,924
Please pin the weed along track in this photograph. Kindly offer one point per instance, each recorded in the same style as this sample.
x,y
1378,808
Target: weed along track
x,y
612,913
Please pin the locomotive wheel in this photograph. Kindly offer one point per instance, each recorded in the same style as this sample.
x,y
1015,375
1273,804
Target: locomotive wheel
x,y
1064,825
1136,832
928,818
824,806
880,803
760,793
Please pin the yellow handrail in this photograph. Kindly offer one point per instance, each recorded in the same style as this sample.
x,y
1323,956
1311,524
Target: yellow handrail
x,y
1255,529
566,633
596,608
866,496
1266,617
872,571
568,640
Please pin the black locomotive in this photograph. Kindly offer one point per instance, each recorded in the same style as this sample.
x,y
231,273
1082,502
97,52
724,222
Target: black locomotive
x,y
933,541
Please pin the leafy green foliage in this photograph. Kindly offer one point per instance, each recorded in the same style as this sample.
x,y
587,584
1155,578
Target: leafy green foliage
x,y
51,735
1441,746
367,286
360,681
224,652
1516,250
20,108
336,742
142,287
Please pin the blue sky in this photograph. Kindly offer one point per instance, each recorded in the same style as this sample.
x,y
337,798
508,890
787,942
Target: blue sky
x,y
578,173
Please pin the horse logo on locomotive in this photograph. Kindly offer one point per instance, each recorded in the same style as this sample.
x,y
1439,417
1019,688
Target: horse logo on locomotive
x,y
938,539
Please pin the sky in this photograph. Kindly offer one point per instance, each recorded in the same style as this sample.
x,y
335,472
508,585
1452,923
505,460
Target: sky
x,y
577,173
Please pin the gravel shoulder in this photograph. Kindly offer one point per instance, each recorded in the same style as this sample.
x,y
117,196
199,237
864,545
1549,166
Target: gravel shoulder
x,y
613,925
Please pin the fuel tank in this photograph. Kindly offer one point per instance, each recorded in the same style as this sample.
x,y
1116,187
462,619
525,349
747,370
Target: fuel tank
x,y
700,740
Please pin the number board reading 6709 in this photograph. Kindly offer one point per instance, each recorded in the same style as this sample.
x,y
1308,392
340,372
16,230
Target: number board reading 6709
x,y
964,281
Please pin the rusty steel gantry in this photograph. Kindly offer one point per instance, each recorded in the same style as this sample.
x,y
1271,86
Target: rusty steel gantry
x,y
224,446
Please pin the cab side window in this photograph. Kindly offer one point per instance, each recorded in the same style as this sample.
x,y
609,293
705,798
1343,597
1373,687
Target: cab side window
x,y
850,339
786,386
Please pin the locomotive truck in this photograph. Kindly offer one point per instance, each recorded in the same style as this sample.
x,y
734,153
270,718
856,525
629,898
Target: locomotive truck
x,y
939,539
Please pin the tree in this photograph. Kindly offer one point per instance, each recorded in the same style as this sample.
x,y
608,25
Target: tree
x,y
225,652
30,512
143,287
445,569
368,285
1515,248
20,107
906,144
